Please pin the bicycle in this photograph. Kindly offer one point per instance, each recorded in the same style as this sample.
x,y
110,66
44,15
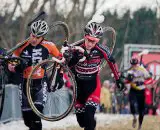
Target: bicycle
x,y
51,68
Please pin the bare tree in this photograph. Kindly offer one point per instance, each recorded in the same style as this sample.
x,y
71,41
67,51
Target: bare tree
x,y
75,18
52,10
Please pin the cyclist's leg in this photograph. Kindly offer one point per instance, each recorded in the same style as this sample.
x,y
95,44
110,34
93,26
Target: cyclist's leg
x,y
91,105
79,105
85,116
88,94
132,101
90,122
26,118
31,120
79,109
141,106
40,97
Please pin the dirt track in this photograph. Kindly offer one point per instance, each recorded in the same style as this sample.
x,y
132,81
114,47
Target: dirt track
x,y
150,123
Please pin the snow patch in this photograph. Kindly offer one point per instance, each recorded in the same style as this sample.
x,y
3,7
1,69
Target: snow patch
x,y
102,119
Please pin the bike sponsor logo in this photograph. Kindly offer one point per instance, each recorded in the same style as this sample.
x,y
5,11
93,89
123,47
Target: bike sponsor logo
x,y
26,54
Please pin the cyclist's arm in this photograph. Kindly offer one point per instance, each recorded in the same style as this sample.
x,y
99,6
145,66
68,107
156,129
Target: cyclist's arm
x,y
74,59
110,60
53,50
113,66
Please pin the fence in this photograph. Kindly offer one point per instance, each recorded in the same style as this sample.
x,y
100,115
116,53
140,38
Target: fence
x,y
11,109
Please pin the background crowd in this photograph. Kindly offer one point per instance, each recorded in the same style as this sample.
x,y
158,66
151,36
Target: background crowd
x,y
114,102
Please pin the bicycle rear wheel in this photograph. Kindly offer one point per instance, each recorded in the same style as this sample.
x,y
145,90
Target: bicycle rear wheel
x,y
110,43
58,33
156,94
60,100
2,90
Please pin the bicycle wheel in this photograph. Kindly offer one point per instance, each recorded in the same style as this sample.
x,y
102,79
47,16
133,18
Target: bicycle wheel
x,y
2,90
60,100
58,33
156,94
110,44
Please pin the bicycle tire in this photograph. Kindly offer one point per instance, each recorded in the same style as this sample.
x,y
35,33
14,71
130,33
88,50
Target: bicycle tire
x,y
65,29
2,90
156,96
31,102
111,48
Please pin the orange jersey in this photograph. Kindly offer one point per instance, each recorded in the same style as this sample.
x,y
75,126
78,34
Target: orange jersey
x,y
35,54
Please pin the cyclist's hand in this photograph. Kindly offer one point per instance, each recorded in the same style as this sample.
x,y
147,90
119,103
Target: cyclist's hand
x,y
130,77
67,55
19,68
120,85
11,67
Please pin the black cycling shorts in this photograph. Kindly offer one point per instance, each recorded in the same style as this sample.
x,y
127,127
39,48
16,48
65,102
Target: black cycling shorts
x,y
39,93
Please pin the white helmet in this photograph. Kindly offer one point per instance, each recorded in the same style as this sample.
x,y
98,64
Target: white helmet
x,y
94,30
39,28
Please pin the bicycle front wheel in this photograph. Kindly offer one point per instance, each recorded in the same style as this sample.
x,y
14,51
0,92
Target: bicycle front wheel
x,y
60,98
2,90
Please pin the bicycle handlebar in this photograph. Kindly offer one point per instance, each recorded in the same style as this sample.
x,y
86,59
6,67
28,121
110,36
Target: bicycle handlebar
x,y
80,49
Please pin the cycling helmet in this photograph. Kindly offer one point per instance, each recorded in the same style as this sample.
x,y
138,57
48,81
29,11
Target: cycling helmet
x,y
94,30
39,28
134,61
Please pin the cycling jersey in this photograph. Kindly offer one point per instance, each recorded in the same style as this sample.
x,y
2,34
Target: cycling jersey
x,y
34,55
91,66
87,75
140,77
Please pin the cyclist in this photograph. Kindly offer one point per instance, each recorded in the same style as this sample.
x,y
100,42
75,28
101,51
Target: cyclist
x,y
137,77
87,75
34,51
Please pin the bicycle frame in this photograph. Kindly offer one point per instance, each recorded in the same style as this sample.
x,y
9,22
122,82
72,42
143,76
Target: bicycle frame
x,y
52,67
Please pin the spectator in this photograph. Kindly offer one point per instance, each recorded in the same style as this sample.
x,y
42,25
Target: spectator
x,y
148,101
113,99
124,109
105,99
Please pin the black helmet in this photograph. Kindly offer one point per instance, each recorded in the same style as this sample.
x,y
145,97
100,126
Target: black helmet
x,y
134,61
